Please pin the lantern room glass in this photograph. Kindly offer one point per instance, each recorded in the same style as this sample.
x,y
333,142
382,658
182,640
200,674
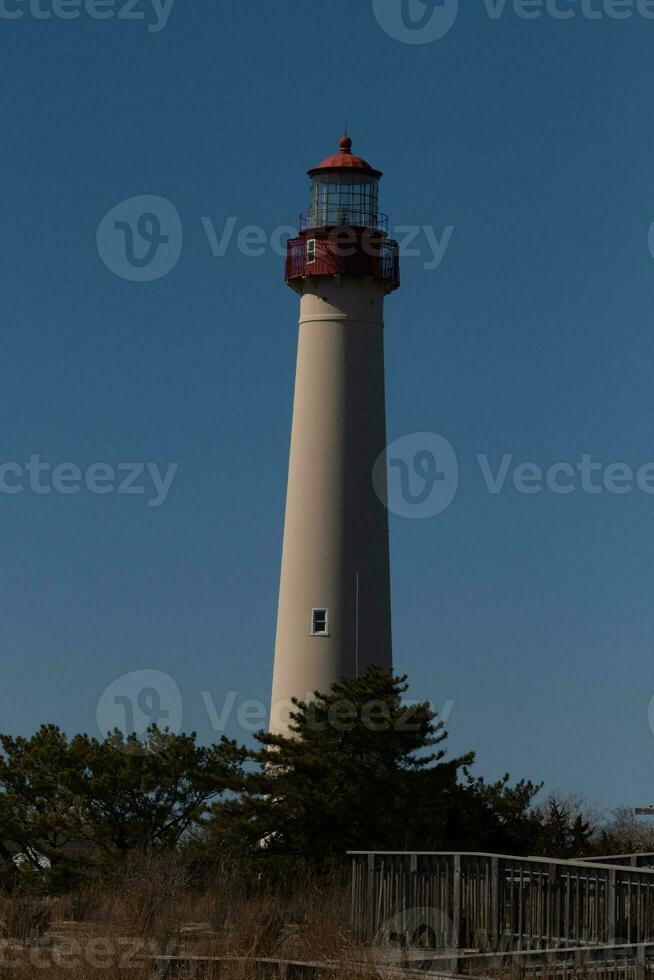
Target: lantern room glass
x,y
344,199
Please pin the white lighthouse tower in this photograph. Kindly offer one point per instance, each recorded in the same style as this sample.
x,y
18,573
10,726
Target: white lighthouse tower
x,y
334,616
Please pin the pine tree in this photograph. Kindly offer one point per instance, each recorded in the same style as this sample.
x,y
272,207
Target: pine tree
x,y
361,769
113,796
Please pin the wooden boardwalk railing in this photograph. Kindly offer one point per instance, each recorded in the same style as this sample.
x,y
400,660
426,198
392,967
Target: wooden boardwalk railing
x,y
640,860
492,901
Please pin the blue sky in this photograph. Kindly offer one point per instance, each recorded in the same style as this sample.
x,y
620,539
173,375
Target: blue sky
x,y
532,139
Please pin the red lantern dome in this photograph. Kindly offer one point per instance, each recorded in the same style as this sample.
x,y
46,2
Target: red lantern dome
x,y
345,161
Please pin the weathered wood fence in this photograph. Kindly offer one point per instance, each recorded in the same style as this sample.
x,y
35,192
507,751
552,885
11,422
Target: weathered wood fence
x,y
495,902
631,860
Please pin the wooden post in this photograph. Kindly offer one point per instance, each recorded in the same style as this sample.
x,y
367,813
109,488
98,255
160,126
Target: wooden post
x,y
611,903
495,903
551,895
370,898
456,901
410,883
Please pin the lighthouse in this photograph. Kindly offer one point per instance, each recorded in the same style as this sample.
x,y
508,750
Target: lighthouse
x,y
334,614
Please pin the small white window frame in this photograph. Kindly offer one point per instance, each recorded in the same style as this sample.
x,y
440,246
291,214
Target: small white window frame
x,y
311,251
314,632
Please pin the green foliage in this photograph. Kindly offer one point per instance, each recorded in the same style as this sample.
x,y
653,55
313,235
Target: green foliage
x,y
103,798
360,770
565,832
494,817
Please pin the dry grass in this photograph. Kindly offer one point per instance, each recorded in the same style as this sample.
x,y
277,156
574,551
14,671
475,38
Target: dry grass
x,y
157,905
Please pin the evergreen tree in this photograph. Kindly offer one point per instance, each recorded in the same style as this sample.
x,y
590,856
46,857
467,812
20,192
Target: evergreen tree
x,y
494,817
110,796
361,769
565,832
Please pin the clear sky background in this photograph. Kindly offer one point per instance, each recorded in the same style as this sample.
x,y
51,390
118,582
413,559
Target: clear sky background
x,y
533,614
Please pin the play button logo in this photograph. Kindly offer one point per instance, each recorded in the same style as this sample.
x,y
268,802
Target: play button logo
x,y
416,21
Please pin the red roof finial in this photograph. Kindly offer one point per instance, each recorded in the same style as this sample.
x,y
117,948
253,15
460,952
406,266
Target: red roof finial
x,y
345,161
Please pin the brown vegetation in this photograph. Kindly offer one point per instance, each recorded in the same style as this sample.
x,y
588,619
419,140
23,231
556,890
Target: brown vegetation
x,y
162,905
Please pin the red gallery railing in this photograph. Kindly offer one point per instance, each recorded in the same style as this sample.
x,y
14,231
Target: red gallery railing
x,y
330,255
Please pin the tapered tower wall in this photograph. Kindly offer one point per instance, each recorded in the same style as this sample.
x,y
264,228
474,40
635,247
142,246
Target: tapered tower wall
x,y
335,554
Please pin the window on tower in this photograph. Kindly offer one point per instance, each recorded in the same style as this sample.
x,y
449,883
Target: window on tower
x,y
319,622
311,251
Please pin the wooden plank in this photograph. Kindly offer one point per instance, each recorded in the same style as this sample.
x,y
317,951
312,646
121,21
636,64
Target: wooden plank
x,y
495,901
611,901
456,900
